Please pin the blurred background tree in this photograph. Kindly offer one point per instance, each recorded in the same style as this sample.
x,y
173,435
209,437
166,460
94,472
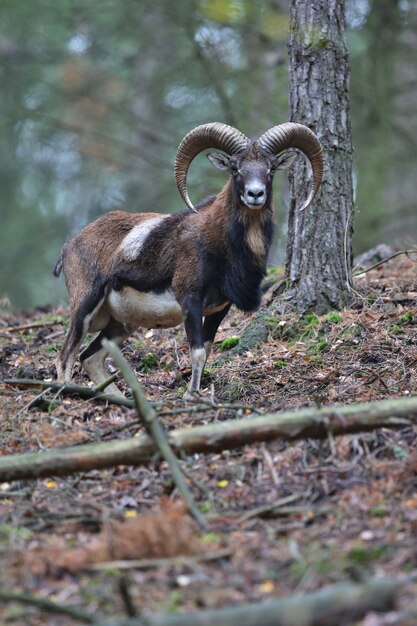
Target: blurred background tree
x,y
96,97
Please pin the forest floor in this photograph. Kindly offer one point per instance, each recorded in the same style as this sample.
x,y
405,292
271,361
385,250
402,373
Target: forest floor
x,y
345,508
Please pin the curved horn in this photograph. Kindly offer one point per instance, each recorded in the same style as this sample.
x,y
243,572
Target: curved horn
x,y
290,135
213,135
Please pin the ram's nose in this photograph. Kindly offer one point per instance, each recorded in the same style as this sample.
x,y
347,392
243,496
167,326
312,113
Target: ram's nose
x,y
254,196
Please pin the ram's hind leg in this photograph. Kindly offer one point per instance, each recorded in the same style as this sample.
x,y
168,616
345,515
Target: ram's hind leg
x,y
66,356
93,357
81,318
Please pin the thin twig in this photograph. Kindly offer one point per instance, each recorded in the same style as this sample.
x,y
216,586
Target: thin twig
x,y
46,605
267,508
227,405
155,429
208,405
388,258
106,383
155,563
28,326
31,403
270,465
89,393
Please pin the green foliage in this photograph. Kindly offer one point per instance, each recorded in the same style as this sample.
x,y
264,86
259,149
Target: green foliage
x,y
363,554
400,453
53,347
351,331
7,531
229,343
171,603
333,317
316,361
279,364
310,320
406,318
395,329
298,330
149,362
378,511
315,347
211,537
206,507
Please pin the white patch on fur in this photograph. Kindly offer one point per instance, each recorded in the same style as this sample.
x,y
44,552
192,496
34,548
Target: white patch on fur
x,y
209,310
255,240
198,360
146,309
208,346
97,319
131,244
198,357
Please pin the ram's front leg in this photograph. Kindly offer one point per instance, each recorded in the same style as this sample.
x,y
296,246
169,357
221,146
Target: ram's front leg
x,y
194,329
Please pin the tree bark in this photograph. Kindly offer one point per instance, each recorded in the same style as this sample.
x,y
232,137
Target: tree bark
x,y
319,252
291,425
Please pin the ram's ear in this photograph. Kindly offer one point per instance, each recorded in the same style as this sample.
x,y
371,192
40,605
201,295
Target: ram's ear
x,y
285,160
219,160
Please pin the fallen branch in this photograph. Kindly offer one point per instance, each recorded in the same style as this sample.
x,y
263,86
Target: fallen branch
x,y
347,601
290,425
88,393
30,325
175,561
47,606
329,607
96,393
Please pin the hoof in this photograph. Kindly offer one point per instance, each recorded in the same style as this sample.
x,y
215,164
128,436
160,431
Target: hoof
x,y
113,390
192,396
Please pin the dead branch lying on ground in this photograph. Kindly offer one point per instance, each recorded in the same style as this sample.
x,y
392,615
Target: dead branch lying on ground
x,y
289,425
46,606
347,601
88,393
96,393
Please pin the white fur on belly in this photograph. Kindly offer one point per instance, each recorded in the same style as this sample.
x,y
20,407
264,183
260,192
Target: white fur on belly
x,y
131,244
146,309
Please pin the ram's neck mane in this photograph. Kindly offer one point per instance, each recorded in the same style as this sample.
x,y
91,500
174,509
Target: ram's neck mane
x,y
246,236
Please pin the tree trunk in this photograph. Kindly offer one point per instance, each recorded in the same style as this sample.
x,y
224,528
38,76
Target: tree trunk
x,y
319,253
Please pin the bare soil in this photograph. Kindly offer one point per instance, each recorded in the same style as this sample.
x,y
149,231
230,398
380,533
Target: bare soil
x,y
345,508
